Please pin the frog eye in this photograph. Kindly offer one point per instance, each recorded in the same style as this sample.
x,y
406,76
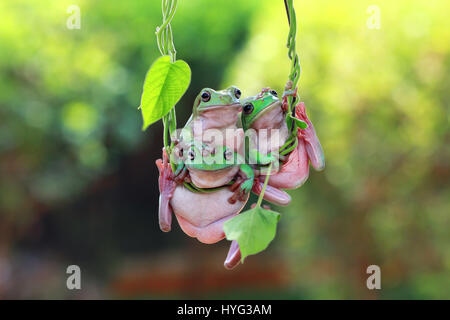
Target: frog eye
x,y
227,154
274,93
191,154
206,96
237,93
248,108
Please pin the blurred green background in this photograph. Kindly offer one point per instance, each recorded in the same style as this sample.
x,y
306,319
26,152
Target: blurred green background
x,y
78,184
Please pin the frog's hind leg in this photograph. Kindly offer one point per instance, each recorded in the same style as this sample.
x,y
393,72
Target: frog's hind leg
x,y
239,188
233,257
309,136
236,189
181,175
272,194
243,184
166,188
165,212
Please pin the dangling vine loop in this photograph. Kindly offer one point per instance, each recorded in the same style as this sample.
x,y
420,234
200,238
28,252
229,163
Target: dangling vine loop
x,y
164,38
163,33
295,70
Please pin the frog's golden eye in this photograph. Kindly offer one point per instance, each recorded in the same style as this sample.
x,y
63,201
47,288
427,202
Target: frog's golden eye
x,y
191,154
227,154
274,93
248,108
206,96
237,93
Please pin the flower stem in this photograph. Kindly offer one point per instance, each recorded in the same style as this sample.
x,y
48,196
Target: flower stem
x,y
261,195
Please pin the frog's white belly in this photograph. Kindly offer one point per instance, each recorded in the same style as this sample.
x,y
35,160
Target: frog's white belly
x,y
272,131
201,215
212,179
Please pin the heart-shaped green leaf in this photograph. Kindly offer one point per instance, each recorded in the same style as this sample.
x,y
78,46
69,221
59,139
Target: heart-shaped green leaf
x,y
253,230
300,123
164,85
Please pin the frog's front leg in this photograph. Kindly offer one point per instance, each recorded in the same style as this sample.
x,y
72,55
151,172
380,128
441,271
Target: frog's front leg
x,y
309,136
256,157
168,181
243,184
288,92
167,186
181,174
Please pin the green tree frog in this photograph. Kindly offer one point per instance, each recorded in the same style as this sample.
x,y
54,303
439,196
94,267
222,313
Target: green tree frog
x,y
215,119
201,214
265,112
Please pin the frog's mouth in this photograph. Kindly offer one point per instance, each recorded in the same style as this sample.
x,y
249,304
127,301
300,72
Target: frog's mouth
x,y
236,106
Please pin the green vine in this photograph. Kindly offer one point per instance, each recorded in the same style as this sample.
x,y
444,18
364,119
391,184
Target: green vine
x,y
164,38
266,181
295,70
166,81
294,73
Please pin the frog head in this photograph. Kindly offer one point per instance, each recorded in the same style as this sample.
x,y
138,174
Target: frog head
x,y
259,107
209,99
217,109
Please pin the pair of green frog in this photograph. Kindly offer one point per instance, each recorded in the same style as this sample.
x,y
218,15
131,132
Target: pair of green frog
x,y
210,181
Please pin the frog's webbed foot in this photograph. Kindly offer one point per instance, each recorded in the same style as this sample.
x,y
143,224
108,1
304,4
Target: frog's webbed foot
x,y
181,175
288,92
260,158
275,157
233,257
282,158
309,136
272,194
267,159
237,192
167,187
241,187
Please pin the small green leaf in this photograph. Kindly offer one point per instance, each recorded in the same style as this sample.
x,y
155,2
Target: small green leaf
x,y
164,85
253,230
300,123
